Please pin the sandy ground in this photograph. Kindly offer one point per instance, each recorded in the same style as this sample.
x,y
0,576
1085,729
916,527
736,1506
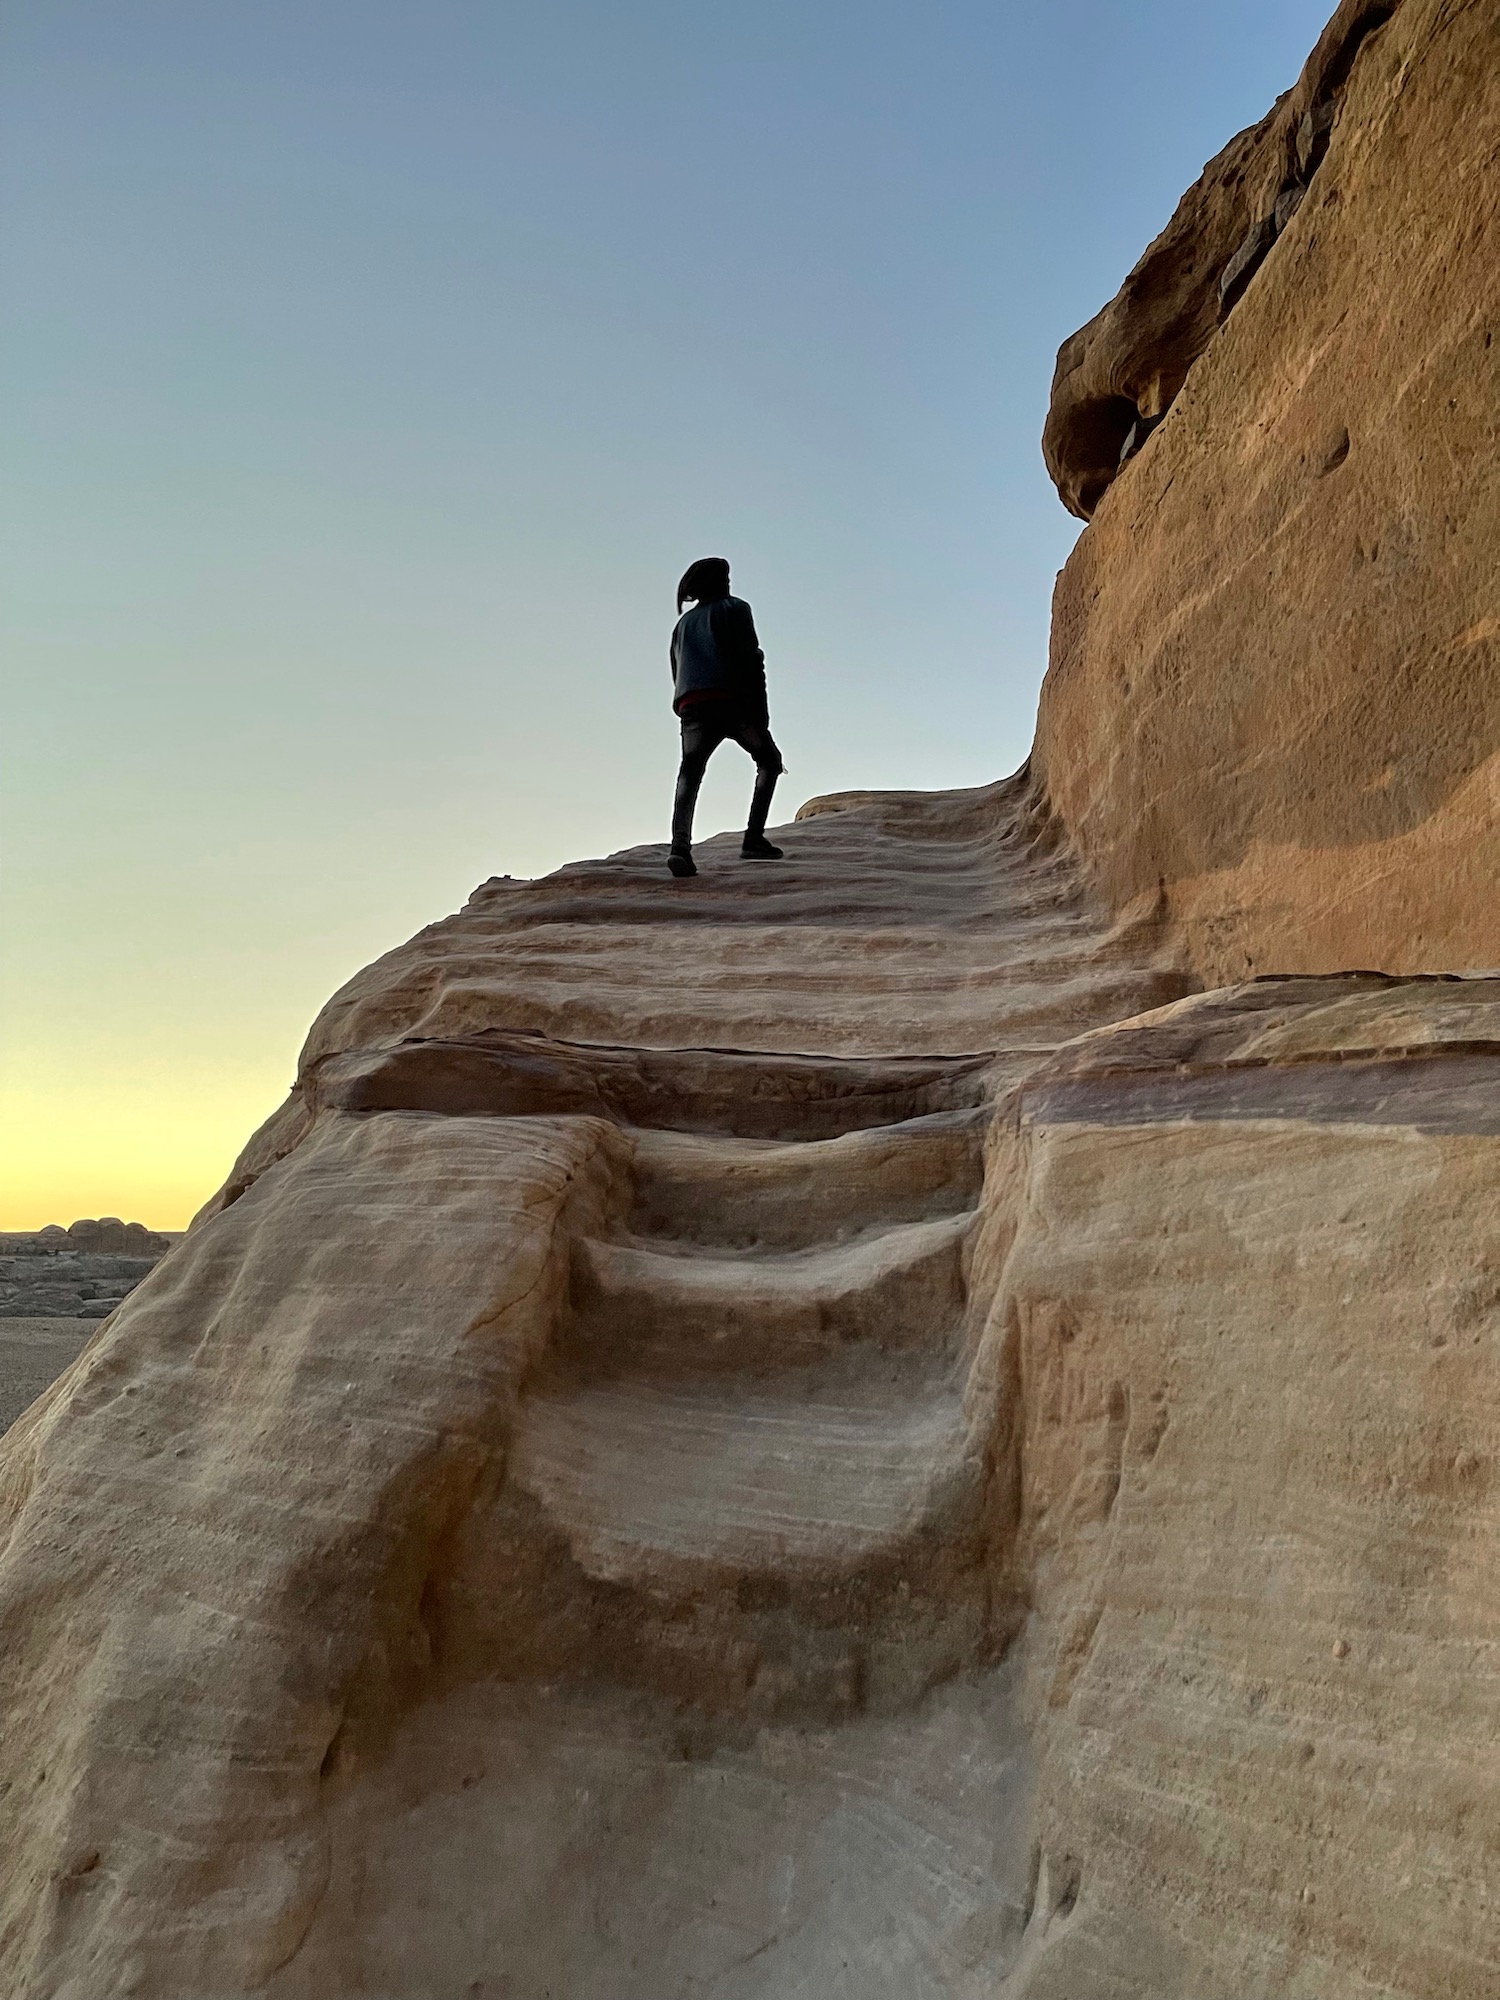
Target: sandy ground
x,y
33,1353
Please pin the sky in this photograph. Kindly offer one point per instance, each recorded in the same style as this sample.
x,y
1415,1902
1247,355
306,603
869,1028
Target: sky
x,y
368,374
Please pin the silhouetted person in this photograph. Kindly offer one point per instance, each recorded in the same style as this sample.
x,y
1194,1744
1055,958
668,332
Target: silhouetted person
x,y
719,691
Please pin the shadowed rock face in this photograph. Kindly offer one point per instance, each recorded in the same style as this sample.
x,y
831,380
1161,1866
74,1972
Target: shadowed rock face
x,y
1274,691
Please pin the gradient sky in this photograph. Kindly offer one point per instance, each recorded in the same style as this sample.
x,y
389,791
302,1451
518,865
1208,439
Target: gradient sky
x,y
368,373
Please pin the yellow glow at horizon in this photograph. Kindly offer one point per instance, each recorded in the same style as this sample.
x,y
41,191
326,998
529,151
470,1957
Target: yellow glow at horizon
x,y
148,1149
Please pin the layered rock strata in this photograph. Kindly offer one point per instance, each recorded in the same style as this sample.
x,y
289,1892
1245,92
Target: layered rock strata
x,y
1274,692
596,1327
584,1516
1253,1300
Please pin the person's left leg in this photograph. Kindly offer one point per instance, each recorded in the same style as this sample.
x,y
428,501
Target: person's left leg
x,y
761,745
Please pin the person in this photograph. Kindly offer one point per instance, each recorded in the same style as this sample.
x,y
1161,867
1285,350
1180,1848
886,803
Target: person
x,y
719,693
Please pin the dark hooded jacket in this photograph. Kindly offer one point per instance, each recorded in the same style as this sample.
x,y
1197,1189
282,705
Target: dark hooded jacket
x,y
715,652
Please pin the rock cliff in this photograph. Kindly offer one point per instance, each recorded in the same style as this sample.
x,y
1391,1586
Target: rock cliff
x,y
841,1427
1274,691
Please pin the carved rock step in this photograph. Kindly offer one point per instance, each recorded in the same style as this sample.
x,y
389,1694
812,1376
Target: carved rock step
x,y
851,872
649,1482
641,1309
784,989
941,892
717,1091
747,1194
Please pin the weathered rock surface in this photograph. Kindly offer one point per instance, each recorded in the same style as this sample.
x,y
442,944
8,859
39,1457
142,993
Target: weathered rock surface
x,y
1274,693
616,1519
836,1428
1118,376
624,1374
1253,1302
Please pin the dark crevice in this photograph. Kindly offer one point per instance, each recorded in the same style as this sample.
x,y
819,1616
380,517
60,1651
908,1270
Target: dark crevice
x,y
1287,204
1337,452
1069,1883
1244,264
1339,69
1313,135
1137,435
1104,431
332,1755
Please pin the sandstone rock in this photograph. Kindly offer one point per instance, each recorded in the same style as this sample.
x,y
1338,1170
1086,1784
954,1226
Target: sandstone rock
x,y
1253,1316
517,1529
1133,357
843,1431
1274,692
283,1420
591,1370
907,927
109,1233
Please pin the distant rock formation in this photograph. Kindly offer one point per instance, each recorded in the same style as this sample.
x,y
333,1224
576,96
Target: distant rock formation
x,y
838,1427
82,1272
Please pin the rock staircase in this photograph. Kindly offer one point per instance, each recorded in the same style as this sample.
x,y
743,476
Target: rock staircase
x,y
749,1471
754,1433
581,1368
722,1635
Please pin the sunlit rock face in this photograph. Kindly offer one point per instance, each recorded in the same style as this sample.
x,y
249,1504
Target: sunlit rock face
x,y
1274,693
840,1427
1117,377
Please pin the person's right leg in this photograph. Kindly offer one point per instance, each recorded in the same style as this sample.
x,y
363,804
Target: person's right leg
x,y
701,736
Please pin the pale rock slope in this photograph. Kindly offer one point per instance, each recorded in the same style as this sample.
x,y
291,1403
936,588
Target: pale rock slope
x,y
576,1381
603,1519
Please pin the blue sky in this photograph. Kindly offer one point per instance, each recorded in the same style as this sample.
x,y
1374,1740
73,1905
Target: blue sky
x,y
368,374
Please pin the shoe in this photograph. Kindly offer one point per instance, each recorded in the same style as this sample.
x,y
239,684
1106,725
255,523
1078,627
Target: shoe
x,y
755,847
681,864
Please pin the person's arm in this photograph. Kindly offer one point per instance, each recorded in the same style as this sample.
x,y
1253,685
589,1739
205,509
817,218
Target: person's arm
x,y
750,661
672,660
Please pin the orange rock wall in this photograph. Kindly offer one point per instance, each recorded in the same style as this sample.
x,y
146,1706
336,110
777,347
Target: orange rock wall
x,y
1273,700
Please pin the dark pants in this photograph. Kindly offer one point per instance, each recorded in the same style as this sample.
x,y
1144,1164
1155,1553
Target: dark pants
x,y
705,725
